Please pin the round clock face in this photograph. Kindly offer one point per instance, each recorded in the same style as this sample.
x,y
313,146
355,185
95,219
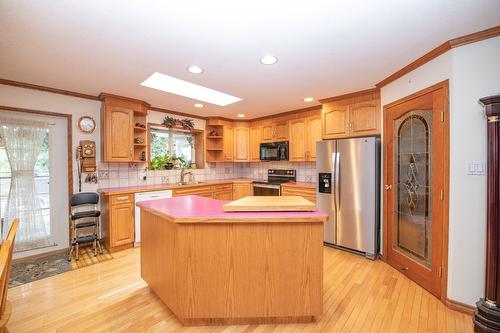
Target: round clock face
x,y
86,124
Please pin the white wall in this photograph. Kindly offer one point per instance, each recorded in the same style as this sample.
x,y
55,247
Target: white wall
x,y
473,71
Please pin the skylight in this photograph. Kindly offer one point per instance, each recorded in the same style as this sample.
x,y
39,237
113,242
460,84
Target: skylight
x,y
180,87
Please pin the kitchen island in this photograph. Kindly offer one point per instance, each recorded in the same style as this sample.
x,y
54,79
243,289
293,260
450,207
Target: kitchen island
x,y
214,267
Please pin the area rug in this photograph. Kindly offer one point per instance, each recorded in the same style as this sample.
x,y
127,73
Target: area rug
x,y
41,268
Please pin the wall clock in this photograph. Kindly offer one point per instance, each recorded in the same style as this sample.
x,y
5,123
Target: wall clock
x,y
86,124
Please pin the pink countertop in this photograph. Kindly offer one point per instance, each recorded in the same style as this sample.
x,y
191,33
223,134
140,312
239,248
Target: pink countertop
x,y
196,209
159,187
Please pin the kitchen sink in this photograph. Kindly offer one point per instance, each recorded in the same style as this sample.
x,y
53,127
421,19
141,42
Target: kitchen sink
x,y
188,183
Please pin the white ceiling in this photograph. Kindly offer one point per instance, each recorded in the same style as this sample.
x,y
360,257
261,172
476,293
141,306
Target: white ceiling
x,y
325,48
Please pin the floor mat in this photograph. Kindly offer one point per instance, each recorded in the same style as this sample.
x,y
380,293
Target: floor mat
x,y
41,268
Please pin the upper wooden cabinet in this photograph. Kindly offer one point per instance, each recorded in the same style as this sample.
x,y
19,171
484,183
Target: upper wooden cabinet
x,y
298,142
354,115
119,116
255,140
228,144
313,135
304,133
241,144
275,130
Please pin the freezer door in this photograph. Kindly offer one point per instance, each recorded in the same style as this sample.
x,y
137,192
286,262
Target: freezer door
x,y
325,161
356,194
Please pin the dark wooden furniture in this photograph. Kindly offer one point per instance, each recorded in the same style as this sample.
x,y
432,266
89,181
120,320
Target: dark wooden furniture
x,y
487,315
5,266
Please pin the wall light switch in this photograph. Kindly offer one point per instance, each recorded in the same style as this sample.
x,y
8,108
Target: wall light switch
x,y
476,168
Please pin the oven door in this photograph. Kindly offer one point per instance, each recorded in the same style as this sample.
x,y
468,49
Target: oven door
x,y
266,189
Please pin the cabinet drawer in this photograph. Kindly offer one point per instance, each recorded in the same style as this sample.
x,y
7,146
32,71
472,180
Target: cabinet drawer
x,y
122,199
198,190
223,187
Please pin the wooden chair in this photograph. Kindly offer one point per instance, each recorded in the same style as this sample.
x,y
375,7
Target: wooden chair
x,y
5,265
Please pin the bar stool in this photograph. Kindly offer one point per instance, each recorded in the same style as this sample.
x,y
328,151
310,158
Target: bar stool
x,y
79,200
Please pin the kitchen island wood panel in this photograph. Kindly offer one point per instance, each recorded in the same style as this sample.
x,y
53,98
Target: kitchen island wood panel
x,y
243,268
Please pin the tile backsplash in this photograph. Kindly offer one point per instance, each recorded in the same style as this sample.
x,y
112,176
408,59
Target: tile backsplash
x,y
123,174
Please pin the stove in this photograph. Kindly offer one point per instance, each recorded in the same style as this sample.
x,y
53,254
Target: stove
x,y
275,177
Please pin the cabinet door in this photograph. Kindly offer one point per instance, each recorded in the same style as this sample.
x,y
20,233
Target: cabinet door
x,y
364,118
267,133
241,144
228,143
280,131
297,140
313,134
225,195
335,121
122,224
255,140
119,134
241,190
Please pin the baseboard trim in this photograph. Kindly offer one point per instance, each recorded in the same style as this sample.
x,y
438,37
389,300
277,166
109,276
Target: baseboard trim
x,y
41,255
460,307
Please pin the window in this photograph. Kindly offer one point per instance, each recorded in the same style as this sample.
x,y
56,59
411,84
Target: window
x,y
42,176
174,143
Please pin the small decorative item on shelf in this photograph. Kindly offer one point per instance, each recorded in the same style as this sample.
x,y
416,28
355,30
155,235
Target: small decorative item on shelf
x,y
213,133
139,140
140,125
143,156
171,122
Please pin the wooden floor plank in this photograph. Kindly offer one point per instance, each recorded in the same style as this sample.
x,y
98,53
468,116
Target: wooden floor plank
x,y
360,295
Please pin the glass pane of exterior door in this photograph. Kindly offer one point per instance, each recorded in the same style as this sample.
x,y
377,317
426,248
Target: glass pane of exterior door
x,y
412,226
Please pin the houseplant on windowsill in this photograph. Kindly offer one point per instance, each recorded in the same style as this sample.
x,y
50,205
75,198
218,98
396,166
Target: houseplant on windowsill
x,y
164,162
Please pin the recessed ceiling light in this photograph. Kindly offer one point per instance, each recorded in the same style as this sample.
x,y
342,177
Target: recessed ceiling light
x,y
198,105
180,87
308,99
241,115
195,69
268,60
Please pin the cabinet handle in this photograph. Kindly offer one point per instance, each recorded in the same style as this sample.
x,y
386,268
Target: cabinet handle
x,y
122,198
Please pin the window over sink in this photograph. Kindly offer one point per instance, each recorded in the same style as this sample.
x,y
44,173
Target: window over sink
x,y
171,148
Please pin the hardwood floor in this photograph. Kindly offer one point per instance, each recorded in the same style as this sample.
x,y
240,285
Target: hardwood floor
x,y
359,296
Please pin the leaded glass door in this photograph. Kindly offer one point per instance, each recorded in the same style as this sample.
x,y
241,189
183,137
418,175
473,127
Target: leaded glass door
x,y
415,150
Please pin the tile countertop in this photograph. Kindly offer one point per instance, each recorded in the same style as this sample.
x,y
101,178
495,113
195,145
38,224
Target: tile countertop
x,y
160,187
196,209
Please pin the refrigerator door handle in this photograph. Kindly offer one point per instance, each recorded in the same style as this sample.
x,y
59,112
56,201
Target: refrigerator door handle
x,y
337,182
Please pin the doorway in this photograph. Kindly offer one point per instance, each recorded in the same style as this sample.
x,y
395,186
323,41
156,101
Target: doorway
x,y
416,172
45,227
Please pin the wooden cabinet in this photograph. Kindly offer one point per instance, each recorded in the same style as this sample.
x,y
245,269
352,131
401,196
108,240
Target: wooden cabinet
x,y
307,192
121,221
358,115
255,140
241,144
201,190
275,130
335,121
223,191
313,135
228,144
298,142
242,189
304,133
119,116
267,132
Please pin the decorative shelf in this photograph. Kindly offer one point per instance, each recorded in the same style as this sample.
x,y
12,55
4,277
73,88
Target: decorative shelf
x,y
215,149
140,129
215,137
140,145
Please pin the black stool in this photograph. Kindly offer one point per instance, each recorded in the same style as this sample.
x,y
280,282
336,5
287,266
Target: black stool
x,y
78,200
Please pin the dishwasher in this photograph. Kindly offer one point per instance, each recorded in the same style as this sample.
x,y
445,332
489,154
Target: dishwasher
x,y
145,196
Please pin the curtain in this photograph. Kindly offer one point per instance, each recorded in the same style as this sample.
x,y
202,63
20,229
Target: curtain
x,y
23,140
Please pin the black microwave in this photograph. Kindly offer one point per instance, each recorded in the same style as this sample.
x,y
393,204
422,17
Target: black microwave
x,y
274,151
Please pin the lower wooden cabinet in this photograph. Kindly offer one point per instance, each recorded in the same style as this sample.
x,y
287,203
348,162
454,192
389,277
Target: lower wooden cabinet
x,y
242,189
201,190
118,221
307,192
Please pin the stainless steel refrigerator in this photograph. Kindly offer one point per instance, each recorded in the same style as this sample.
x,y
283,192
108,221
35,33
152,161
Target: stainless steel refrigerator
x,y
348,191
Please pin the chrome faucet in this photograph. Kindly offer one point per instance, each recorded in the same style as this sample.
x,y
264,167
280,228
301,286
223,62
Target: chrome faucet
x,y
184,173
